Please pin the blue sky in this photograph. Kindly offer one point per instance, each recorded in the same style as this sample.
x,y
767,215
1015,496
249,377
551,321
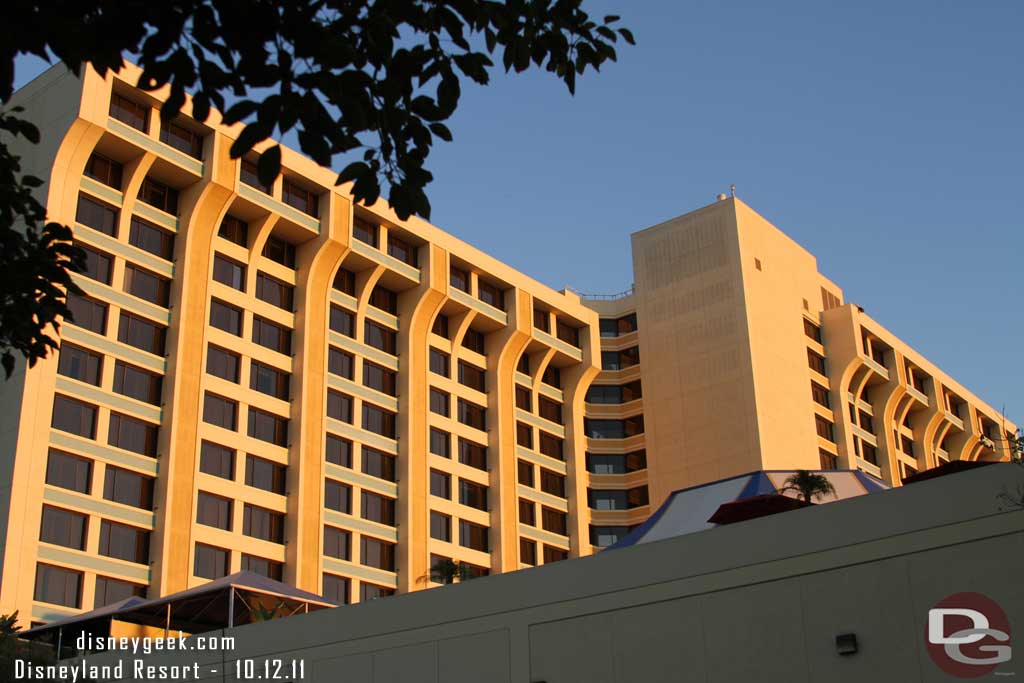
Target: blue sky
x,y
885,137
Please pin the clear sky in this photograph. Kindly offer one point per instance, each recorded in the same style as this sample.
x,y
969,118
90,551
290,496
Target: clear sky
x,y
885,137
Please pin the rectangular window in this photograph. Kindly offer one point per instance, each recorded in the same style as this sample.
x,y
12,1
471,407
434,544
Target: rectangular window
x,y
109,591
223,363
97,215
269,380
567,333
249,174
128,488
812,330
74,417
473,454
338,451
337,543
68,471
365,232
541,319
87,313
599,499
527,552
63,527
339,406
816,362
604,536
472,415
234,230
401,250
229,272
379,378
491,295
262,523
104,170
265,474
552,377
527,512
377,508
262,566
473,536
459,279
440,402
336,589
827,460
440,362
220,411
182,139
376,553
147,286
554,521
340,362
550,410
150,238
440,326
132,434
906,445
137,383
523,398
550,445
158,195
472,376
97,264
474,341
380,337
824,428
338,496
132,113
820,394
524,472
299,197
81,364
279,251
211,562
384,299
440,526
440,484
58,586
213,510
472,495
378,464
274,292
440,443
345,281
268,427
271,335
552,483
124,542
226,317
524,435
379,421
141,333
342,321
217,460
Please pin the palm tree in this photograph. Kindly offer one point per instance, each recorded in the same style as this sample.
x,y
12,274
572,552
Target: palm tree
x,y
445,570
809,485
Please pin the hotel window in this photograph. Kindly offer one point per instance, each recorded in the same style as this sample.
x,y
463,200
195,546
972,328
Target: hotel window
x,y
552,483
552,377
550,410
866,422
440,484
614,429
380,378
440,402
229,272
554,521
820,395
141,333
369,591
220,411
600,499
128,488
440,362
379,421
68,471
473,454
74,417
401,250
616,464
226,317
472,415
906,445
336,588
472,495
824,428
523,365
440,526
378,464
523,398
567,333
132,113
271,335
262,566
524,435
265,474
440,443
337,543
376,553
342,321
274,292
300,198
440,326
907,471
63,527
96,215
379,337
158,195
491,295
109,591
279,251
827,460
550,445
217,460
147,286
58,586
473,536
223,363
268,380
345,282
812,330
868,452
211,562
365,232
377,508
604,536
340,362
78,363
263,524
524,473
268,427
124,542
132,434
213,511
474,341
527,512
384,299
459,279
97,264
106,171
527,552
151,239
339,406
816,362
338,451
234,230
337,496
615,327
182,139
541,319
249,174
473,377
87,313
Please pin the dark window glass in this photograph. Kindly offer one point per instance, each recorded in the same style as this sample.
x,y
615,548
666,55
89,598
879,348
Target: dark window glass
x,y
604,536
220,411
345,281
379,421
550,410
440,362
473,495
472,415
150,238
378,464
491,295
472,376
828,460
215,511
523,398
87,313
124,542
616,463
80,364
58,586
524,474
271,335
268,380
337,496
440,484
554,554
375,553
262,566
68,471
97,264
274,291
279,251
440,402
473,454
337,543
380,337
378,508
147,285
401,250
127,487
567,333
268,427
132,434
109,591
249,175
812,330
527,552
159,195
527,512
473,536
229,272
824,428
63,527
106,171
336,589
263,524
369,591
474,341
379,378
550,445
342,321
182,139
542,319
96,215
460,279
440,443
552,377
552,482
74,416
338,451
226,317
819,394
339,406
613,429
340,362
234,230
554,521
440,526
217,460
211,562
141,333
265,474
440,327
815,361
132,113
384,299
223,363
365,232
